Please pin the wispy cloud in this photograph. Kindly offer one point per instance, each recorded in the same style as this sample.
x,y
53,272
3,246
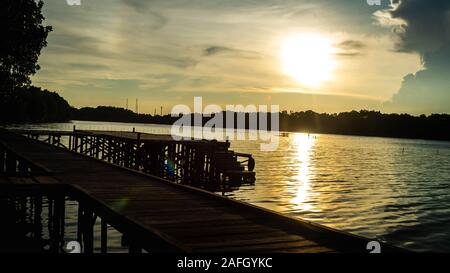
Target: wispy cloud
x,y
350,48
351,45
138,5
88,66
222,50
214,50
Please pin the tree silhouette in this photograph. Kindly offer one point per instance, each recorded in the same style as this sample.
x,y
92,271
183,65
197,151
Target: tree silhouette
x,y
363,122
33,104
22,36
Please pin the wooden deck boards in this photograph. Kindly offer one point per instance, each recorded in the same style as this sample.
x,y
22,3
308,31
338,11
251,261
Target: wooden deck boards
x,y
195,220
119,134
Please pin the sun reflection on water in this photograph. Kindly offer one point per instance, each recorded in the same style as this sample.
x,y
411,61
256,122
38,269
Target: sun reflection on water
x,y
303,145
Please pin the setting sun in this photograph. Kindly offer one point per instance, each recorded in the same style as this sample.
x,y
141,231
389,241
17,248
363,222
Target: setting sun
x,y
308,58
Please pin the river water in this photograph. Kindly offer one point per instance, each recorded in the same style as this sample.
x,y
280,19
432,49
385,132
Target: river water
x,y
394,190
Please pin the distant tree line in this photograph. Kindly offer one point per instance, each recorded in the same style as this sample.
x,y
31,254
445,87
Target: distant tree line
x,y
32,104
364,122
369,123
117,114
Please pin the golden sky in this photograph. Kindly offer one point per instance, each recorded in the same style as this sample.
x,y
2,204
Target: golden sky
x,y
327,56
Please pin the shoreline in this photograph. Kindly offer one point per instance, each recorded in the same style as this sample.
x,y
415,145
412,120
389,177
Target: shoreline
x,y
12,125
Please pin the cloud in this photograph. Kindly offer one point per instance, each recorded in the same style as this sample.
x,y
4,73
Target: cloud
x,y
348,54
88,46
350,48
422,27
88,66
70,42
351,44
214,50
138,5
143,7
158,20
426,91
222,50
179,62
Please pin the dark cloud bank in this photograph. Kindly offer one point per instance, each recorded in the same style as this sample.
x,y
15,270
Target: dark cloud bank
x,y
426,31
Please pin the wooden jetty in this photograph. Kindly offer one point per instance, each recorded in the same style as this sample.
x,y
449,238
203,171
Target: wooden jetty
x,y
196,162
151,212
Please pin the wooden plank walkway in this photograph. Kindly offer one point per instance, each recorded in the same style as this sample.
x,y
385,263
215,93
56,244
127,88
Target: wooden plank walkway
x,y
164,216
121,134
143,136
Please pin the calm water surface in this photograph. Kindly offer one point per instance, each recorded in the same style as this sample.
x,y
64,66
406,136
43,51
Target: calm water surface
x,y
395,190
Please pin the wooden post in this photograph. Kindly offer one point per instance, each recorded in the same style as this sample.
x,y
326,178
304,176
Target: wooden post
x,y
88,231
110,143
23,169
138,152
58,223
2,159
51,225
80,223
104,236
37,236
134,247
97,147
75,146
62,217
11,166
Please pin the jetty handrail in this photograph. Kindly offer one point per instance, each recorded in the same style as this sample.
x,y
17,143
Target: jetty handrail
x,y
11,162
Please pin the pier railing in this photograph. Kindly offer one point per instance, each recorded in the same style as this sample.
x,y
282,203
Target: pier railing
x,y
12,164
206,164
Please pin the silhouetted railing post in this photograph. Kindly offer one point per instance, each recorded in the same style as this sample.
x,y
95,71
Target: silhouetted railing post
x,y
87,219
138,152
37,236
104,236
134,247
11,165
2,158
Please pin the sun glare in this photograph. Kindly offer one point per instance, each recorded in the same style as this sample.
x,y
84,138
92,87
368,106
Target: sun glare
x,y
308,58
